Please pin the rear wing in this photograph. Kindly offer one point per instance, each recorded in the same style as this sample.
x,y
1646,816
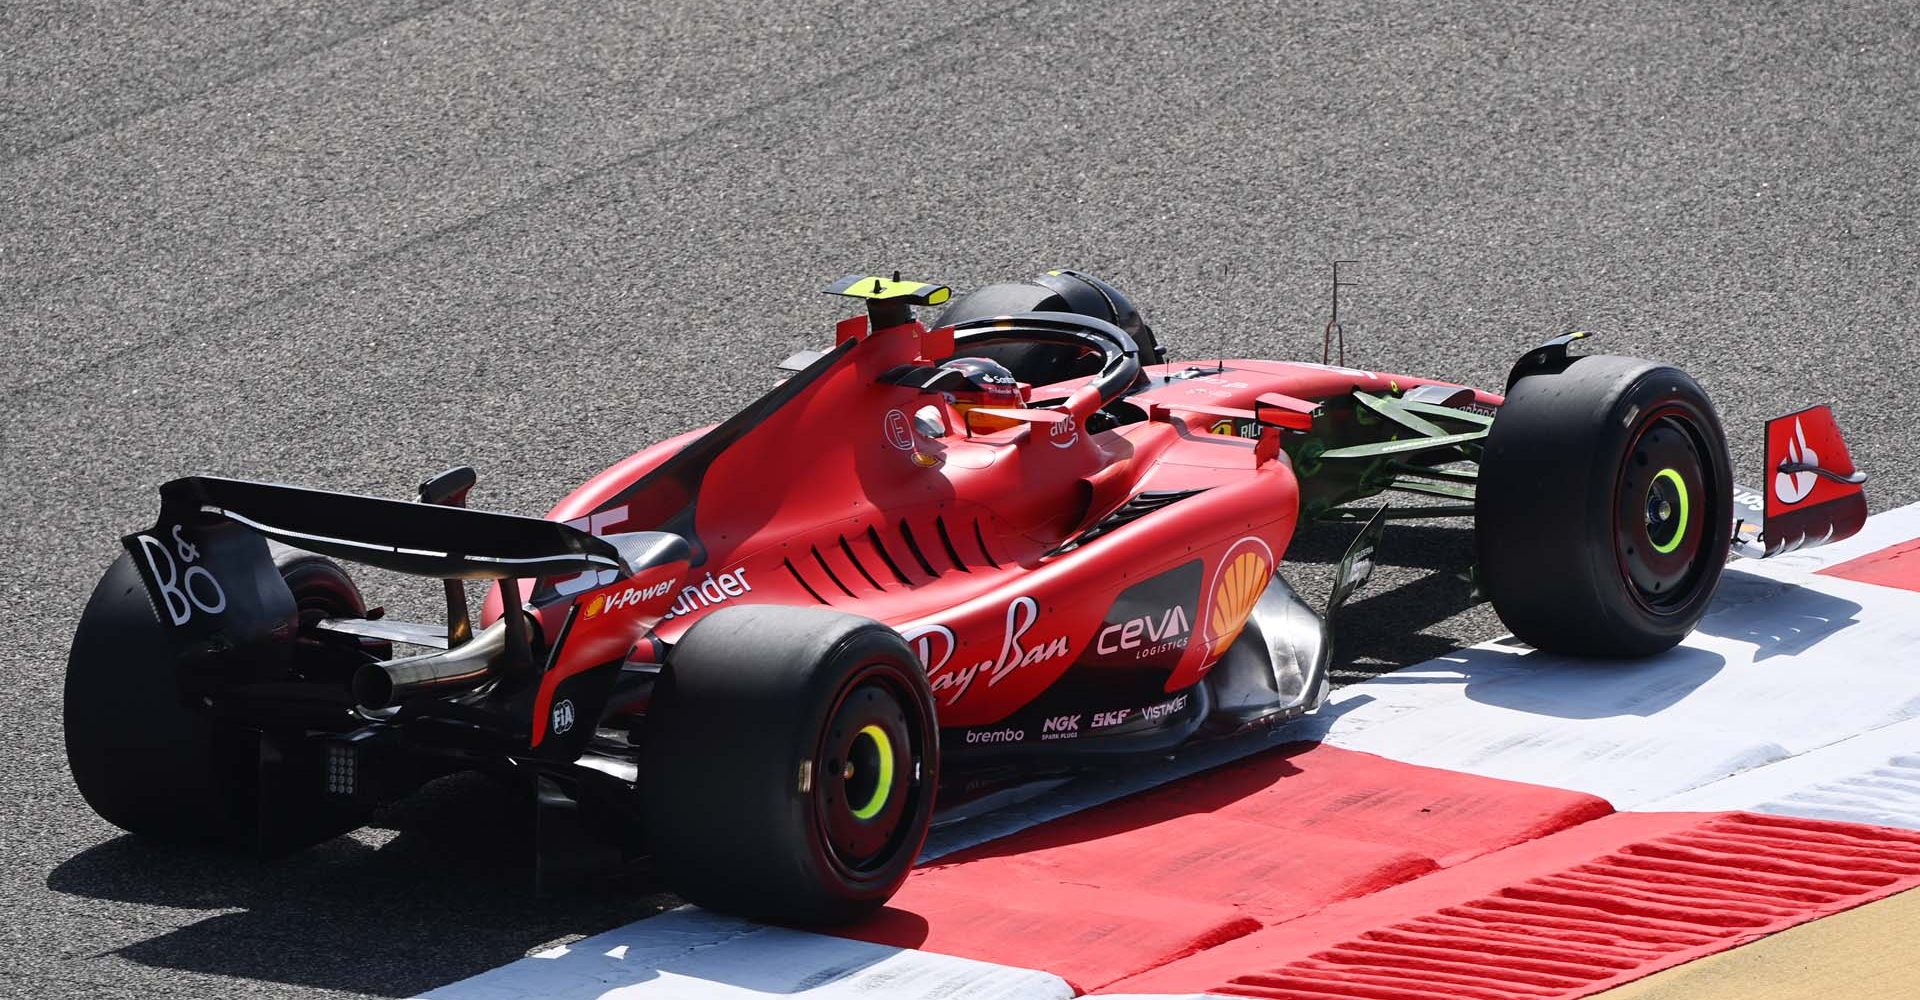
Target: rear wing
x,y
414,538
203,562
1811,493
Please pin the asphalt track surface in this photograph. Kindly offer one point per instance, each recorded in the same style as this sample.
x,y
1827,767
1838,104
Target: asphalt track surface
x,y
349,246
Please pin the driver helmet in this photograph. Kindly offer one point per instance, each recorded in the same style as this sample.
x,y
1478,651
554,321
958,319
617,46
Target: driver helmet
x,y
981,382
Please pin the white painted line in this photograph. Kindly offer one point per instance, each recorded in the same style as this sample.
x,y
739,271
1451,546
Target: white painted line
x,y
1778,669
690,954
1871,778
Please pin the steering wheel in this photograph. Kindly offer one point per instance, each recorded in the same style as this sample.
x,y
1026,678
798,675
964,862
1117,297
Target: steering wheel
x,y
1120,356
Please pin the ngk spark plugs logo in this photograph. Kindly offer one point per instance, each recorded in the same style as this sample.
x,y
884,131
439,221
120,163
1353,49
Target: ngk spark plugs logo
x,y
1150,623
936,644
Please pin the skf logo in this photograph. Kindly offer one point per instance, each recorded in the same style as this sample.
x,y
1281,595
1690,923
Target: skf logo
x,y
1238,582
562,717
627,597
1105,720
1060,727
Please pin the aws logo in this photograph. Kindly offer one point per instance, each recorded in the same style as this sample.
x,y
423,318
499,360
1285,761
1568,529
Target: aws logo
x,y
1238,581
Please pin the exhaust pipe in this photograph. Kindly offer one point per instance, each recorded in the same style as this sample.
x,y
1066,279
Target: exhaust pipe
x,y
462,668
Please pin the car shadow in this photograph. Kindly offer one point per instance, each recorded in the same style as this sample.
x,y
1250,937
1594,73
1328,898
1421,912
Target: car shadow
x,y
1419,604
1565,687
1778,618
439,889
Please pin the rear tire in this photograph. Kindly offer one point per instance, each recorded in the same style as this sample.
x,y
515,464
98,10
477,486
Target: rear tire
x,y
145,753
789,762
1604,508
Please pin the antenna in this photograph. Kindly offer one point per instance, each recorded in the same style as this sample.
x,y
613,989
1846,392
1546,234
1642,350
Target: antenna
x,y
1335,332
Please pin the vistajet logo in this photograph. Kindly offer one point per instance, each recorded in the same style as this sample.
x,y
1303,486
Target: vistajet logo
x,y
715,589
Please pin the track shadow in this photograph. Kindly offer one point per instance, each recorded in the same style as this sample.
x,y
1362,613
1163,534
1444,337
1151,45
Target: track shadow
x,y
1777,618
1407,613
443,891
1203,792
1573,688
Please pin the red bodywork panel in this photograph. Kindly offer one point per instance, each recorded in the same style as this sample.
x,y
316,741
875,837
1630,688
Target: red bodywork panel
x,y
833,498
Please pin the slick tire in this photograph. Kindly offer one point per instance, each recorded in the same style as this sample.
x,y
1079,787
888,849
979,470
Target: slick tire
x,y
789,762
144,754
1604,507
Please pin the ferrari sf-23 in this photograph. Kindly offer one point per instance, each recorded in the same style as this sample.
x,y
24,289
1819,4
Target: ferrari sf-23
x,y
1021,538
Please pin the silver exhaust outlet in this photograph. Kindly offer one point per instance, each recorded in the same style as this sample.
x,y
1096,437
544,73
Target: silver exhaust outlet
x,y
382,685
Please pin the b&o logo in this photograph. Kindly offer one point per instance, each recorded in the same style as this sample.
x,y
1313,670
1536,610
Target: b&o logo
x,y
182,591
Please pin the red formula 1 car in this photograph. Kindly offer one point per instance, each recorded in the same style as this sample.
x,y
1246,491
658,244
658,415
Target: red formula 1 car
x,y
1018,538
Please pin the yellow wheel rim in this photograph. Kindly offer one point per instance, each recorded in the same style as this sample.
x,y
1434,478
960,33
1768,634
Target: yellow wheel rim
x,y
883,747
1680,491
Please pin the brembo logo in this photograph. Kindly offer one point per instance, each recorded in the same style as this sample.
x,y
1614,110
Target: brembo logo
x,y
711,591
1793,487
996,735
1156,633
935,645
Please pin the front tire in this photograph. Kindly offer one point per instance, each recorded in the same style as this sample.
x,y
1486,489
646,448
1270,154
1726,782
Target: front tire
x,y
790,757
1605,507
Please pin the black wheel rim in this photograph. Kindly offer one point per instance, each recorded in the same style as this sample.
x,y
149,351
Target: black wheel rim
x,y
866,786
1663,500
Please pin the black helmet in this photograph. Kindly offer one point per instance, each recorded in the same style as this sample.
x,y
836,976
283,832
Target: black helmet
x,y
1059,291
979,382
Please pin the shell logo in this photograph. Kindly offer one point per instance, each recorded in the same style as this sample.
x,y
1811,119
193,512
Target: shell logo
x,y
597,605
1238,582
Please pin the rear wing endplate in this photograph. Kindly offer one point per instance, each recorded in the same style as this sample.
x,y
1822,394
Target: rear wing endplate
x,y
1811,494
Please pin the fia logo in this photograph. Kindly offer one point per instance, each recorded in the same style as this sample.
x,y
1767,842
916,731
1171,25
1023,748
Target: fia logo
x,y
562,717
